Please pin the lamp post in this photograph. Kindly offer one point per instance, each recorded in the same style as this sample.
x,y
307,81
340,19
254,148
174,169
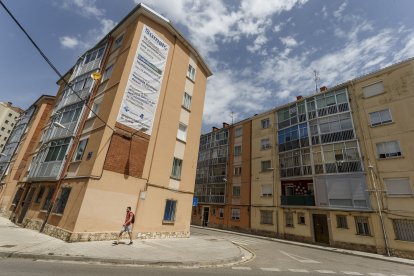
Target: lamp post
x,y
371,169
273,200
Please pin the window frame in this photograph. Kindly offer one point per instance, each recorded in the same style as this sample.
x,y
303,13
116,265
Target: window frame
x,y
235,214
289,219
265,168
266,217
237,150
177,167
381,152
236,191
182,134
341,222
191,72
84,143
187,98
381,122
62,200
265,123
394,194
362,226
171,209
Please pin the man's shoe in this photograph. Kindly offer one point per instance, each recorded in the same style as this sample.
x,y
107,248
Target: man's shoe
x,y
130,243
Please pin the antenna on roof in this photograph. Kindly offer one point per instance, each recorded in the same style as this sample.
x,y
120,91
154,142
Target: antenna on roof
x,y
316,79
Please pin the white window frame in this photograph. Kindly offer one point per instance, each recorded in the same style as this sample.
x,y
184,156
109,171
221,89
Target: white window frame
x,y
108,72
289,219
177,167
187,101
266,190
265,168
382,117
403,188
265,144
382,149
373,89
182,132
80,150
96,105
236,190
191,72
265,123
235,214
237,170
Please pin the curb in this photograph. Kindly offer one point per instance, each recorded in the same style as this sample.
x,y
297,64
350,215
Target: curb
x,y
225,262
325,248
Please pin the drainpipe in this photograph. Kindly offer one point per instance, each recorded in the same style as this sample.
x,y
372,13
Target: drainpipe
x,y
371,169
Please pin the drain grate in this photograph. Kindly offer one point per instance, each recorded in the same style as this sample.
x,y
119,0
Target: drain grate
x,y
8,245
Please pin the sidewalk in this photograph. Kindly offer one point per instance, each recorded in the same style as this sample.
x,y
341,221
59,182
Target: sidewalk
x,y
198,251
320,247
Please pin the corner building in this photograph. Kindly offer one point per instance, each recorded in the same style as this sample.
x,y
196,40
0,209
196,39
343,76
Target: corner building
x,y
129,138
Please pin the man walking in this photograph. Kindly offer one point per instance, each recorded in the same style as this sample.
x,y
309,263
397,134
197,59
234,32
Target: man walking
x,y
127,226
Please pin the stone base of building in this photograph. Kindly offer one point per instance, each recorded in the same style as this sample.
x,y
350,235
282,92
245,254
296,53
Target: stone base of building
x,y
358,247
5,213
162,235
402,253
297,238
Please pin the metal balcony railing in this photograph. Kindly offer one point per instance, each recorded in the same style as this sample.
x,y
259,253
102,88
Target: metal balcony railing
x,y
298,200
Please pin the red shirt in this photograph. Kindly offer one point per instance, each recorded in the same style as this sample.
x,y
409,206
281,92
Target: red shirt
x,y
128,218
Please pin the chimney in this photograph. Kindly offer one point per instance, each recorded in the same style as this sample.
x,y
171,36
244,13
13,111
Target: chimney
x,y
225,125
215,129
298,98
323,88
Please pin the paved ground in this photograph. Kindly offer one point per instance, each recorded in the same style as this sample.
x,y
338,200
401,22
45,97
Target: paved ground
x,y
194,251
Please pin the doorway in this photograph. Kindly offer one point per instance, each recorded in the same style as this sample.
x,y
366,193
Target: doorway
x,y
26,204
320,228
206,212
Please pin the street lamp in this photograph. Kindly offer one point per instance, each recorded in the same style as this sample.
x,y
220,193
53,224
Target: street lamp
x,y
59,125
371,169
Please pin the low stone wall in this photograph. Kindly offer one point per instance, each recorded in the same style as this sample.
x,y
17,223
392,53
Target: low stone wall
x,y
402,253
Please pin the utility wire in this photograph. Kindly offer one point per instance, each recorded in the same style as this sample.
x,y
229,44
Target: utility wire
x,y
49,62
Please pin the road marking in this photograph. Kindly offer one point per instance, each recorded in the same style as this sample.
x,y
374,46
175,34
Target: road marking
x,y
241,268
326,271
377,274
269,269
299,258
351,273
298,270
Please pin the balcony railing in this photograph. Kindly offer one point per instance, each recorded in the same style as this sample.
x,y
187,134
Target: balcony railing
x,y
298,200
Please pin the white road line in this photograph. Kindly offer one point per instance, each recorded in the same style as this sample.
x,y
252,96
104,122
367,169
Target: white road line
x,y
298,270
351,273
269,269
377,274
241,268
326,271
299,258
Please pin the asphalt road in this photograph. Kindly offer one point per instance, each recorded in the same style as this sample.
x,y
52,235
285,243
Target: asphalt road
x,y
271,258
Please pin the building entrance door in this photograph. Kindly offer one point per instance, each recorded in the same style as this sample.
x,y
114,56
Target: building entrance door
x,y
26,204
320,228
206,212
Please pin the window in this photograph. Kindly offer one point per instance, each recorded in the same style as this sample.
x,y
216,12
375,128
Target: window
x,y
96,54
40,194
265,123
265,144
380,117
17,196
169,212
373,89
341,222
388,149
398,187
62,200
191,72
118,41
235,214
301,218
289,219
10,115
182,132
186,101
237,171
221,212
176,168
48,200
266,190
236,191
362,226
237,150
108,73
266,217
57,150
266,166
95,107
2,128
238,132
7,121
404,229
80,150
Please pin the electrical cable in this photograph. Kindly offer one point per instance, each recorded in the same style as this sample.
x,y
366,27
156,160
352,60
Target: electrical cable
x,y
50,63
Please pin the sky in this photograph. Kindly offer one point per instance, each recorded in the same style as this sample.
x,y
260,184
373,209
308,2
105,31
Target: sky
x,y
263,53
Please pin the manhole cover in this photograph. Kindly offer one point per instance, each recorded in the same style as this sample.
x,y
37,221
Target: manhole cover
x,y
8,245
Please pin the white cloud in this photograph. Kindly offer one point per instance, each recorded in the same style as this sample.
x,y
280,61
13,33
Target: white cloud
x,y
69,42
289,41
324,12
85,8
257,44
339,11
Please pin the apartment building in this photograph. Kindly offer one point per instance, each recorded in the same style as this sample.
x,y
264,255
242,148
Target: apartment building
x,y
336,168
124,131
17,154
9,115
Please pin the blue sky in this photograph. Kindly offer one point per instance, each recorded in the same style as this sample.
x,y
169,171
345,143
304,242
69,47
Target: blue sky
x,y
262,52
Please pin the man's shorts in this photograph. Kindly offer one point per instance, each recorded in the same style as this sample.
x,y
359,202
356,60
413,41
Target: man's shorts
x,y
127,228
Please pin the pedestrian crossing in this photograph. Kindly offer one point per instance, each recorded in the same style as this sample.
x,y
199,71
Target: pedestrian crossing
x,y
304,271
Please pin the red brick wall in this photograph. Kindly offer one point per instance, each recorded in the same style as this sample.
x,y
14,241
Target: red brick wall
x,y
127,152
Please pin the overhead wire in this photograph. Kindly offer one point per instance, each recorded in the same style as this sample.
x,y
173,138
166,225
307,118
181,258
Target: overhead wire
x,y
49,62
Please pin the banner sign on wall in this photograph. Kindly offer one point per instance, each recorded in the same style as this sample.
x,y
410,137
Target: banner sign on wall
x,y
144,83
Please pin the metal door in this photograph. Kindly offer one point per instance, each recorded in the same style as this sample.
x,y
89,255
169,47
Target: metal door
x,y
26,204
320,228
206,212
